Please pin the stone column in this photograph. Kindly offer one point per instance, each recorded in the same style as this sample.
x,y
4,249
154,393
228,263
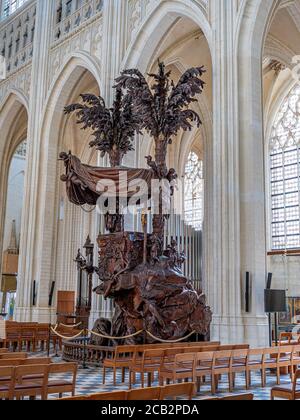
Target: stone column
x,y
32,266
234,237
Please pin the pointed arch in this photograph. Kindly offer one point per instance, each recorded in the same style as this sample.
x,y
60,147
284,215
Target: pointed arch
x,y
142,48
13,128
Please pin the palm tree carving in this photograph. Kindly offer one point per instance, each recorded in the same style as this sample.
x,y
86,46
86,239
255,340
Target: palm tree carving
x,y
113,128
164,110
163,107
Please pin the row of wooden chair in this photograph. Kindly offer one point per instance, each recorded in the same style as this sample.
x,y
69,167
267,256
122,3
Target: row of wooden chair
x,y
26,335
184,391
33,336
37,380
198,366
126,356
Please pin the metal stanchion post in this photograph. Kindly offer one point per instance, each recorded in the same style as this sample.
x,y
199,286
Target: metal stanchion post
x,y
49,340
84,366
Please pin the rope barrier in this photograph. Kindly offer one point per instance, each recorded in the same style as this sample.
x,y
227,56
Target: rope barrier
x,y
170,341
70,326
64,337
140,332
116,338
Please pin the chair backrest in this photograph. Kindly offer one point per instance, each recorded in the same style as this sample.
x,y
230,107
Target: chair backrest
x,y
121,351
242,397
271,353
187,390
205,358
240,356
38,361
241,347
226,347
22,373
153,357
256,354
108,396
76,398
297,349
12,362
13,333
146,394
58,368
28,332
285,350
284,336
222,358
7,356
186,360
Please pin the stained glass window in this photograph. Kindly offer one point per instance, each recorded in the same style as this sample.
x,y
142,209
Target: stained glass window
x,y
21,149
285,174
10,6
194,191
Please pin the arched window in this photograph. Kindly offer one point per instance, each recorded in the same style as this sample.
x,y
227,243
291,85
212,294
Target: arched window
x,y
193,191
285,174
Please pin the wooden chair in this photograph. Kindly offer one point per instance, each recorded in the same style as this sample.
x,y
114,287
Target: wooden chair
x,y
61,386
121,359
221,366
238,364
288,392
254,364
184,368
178,390
204,367
145,394
7,382
150,363
30,381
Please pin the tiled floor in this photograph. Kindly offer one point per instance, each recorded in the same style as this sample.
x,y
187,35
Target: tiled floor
x,y
90,381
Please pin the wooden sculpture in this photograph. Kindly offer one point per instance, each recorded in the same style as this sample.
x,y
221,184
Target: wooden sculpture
x,y
145,281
